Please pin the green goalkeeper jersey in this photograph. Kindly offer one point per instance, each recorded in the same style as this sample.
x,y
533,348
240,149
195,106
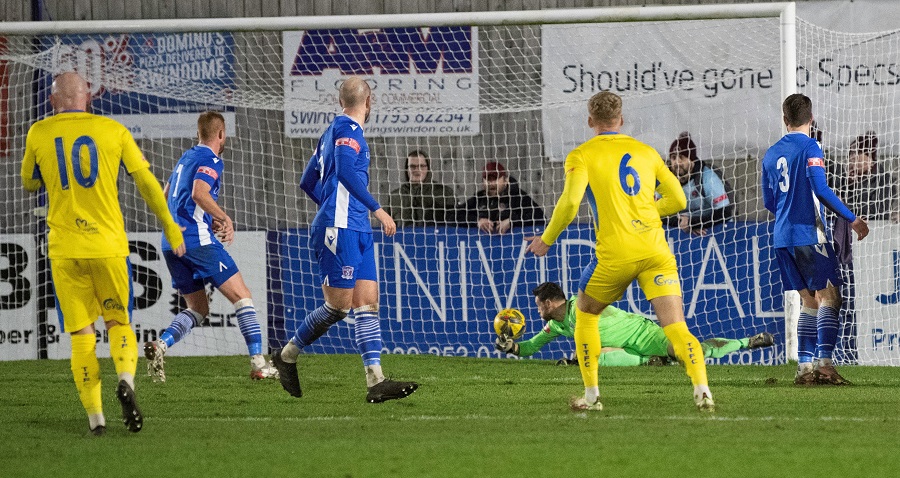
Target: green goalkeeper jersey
x,y
632,332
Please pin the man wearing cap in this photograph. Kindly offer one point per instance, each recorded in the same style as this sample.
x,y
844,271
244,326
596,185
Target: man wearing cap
x,y
710,201
501,205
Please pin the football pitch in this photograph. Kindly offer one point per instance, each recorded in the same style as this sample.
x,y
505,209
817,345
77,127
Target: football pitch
x,y
470,417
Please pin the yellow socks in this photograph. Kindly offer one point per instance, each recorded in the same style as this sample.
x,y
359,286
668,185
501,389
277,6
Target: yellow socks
x,y
688,350
124,352
587,347
86,372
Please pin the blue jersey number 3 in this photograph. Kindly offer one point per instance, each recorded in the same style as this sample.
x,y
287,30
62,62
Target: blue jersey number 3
x,y
784,184
625,172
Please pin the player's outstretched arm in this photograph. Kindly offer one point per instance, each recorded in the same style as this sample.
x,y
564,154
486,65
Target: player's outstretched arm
x,y
566,208
819,185
506,344
31,174
152,193
527,348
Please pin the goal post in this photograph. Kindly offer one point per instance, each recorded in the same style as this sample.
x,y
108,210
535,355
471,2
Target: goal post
x,y
466,88
784,10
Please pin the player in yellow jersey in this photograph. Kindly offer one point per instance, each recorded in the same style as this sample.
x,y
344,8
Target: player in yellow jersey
x,y
622,174
76,156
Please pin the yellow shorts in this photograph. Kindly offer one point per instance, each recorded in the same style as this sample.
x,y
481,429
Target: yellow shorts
x,y
657,276
89,288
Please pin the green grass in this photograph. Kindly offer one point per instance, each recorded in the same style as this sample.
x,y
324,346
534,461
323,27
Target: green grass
x,y
470,417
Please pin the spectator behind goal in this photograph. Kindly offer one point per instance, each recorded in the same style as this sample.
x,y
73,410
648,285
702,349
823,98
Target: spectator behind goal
x,y
710,198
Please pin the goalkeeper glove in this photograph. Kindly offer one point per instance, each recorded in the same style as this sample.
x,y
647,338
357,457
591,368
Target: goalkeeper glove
x,y
504,343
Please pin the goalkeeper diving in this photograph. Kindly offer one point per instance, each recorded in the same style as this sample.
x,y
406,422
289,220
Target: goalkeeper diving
x,y
640,339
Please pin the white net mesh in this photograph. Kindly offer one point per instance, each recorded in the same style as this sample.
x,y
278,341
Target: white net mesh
x,y
852,80
464,96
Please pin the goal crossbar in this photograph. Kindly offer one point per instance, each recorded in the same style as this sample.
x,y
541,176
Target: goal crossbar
x,y
534,17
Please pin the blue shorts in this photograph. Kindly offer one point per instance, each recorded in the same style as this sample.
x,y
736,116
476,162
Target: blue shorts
x,y
808,267
199,266
344,256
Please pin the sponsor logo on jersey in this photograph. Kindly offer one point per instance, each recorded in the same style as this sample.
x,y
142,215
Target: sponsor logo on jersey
x,y
721,198
208,171
86,227
815,162
639,225
347,272
661,279
348,142
112,304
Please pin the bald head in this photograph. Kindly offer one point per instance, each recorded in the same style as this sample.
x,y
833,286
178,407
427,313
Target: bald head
x,y
69,91
354,91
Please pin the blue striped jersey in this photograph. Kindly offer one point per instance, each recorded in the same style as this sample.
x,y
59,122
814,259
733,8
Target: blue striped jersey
x,y
199,163
786,169
340,167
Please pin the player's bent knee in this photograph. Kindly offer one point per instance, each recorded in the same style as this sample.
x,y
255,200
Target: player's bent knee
x,y
373,308
196,317
248,302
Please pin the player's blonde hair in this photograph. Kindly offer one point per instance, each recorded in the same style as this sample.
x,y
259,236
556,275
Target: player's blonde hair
x,y
209,124
605,108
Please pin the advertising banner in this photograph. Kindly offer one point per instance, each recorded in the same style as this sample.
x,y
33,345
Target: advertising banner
x,y
18,298
876,261
441,288
718,82
135,78
155,302
424,80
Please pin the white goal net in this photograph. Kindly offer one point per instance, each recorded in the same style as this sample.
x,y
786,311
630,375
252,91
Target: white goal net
x,y
465,96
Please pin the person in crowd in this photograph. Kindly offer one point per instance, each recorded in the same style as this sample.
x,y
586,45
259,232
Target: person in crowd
x,y
420,201
710,199
872,193
501,205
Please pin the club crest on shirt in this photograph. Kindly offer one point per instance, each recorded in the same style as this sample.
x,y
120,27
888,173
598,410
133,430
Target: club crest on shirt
x,y
347,272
